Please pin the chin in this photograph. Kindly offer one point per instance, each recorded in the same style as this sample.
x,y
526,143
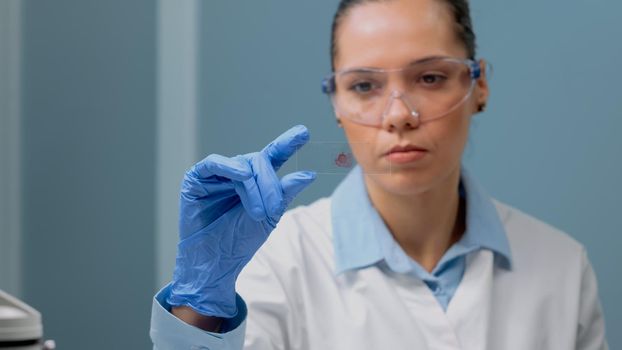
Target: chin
x,y
403,182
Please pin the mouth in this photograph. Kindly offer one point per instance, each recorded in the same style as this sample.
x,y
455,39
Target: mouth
x,y
405,154
405,148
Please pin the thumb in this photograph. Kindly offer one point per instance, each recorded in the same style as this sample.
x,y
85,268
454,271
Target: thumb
x,y
294,183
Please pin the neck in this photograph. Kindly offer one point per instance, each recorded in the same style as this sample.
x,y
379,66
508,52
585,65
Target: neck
x,y
425,224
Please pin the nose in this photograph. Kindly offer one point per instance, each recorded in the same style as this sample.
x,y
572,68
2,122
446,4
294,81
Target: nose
x,y
399,114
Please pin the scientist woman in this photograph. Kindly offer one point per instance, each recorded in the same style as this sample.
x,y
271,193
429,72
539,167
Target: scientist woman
x,y
409,252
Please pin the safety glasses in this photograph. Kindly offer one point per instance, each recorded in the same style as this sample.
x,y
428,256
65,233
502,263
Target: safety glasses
x,y
430,88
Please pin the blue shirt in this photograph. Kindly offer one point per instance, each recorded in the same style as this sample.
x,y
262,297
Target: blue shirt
x,y
362,239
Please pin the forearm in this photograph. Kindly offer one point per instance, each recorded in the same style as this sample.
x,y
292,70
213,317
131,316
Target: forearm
x,y
206,323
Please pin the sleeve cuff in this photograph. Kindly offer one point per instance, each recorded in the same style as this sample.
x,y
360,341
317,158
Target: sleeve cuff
x,y
169,332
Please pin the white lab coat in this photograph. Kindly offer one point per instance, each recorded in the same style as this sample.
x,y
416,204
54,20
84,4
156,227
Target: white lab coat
x,y
548,301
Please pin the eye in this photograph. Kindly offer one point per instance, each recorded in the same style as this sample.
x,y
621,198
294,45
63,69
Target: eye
x,y
362,87
432,79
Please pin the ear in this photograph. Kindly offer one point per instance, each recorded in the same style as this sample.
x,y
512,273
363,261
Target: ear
x,y
482,90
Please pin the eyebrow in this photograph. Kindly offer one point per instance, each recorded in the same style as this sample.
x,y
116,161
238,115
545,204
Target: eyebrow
x,y
411,63
425,59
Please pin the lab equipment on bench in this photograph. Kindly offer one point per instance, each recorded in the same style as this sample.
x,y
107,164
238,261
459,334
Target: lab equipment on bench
x,y
20,326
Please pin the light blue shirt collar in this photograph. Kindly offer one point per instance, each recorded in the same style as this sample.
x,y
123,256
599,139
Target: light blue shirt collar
x,y
360,235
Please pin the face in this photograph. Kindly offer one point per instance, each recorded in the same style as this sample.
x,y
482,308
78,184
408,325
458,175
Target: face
x,y
391,35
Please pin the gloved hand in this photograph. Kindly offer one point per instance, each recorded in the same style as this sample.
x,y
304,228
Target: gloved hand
x,y
228,208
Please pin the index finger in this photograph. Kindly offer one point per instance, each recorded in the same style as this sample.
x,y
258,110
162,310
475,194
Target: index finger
x,y
234,168
284,146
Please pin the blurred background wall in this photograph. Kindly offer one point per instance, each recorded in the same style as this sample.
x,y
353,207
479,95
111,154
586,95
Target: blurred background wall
x,y
117,98
87,155
10,195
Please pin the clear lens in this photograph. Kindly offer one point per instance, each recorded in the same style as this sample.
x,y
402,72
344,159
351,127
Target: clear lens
x,y
433,88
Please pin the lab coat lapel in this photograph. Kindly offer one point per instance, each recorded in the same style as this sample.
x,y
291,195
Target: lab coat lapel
x,y
469,310
428,318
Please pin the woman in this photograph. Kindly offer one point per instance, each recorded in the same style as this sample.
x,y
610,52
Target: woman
x,y
409,252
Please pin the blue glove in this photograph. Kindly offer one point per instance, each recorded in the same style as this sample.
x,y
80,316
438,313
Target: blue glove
x,y
228,208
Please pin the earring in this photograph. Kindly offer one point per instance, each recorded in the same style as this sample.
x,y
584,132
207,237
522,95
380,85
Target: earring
x,y
481,108
339,122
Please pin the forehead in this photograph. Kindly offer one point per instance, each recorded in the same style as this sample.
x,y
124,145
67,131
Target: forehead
x,y
390,34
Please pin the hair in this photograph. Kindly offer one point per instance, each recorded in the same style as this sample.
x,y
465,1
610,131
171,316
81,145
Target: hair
x,y
459,8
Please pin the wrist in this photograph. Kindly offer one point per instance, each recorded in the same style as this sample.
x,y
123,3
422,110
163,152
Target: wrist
x,y
216,301
204,322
